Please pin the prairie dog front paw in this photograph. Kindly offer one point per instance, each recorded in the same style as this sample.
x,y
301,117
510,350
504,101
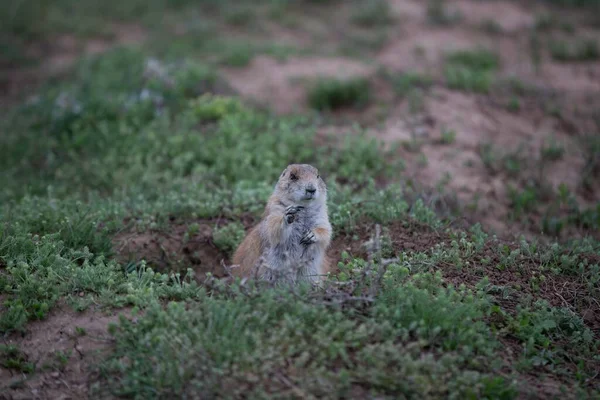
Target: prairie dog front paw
x,y
290,213
308,238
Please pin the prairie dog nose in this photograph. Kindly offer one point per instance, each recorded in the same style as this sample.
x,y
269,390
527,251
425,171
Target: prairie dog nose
x,y
311,189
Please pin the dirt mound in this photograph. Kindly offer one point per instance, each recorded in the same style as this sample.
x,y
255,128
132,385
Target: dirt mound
x,y
175,248
487,148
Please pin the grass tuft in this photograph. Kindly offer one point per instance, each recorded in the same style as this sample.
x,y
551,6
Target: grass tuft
x,y
471,70
375,13
579,51
329,94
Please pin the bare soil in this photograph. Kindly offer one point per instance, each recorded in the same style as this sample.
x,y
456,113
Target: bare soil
x,y
173,249
64,357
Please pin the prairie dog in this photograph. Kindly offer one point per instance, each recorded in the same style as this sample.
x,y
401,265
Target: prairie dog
x,y
290,242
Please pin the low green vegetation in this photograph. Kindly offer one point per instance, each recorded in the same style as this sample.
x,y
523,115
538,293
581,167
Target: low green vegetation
x,y
591,146
552,149
12,358
471,70
228,237
242,15
579,50
438,13
448,136
492,27
576,3
405,83
328,94
514,104
374,13
549,22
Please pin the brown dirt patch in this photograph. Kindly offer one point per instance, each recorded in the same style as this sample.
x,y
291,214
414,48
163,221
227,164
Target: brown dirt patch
x,y
423,50
174,248
409,10
281,85
45,340
405,236
572,76
510,16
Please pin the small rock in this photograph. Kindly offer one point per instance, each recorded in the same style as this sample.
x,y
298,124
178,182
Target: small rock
x,y
55,374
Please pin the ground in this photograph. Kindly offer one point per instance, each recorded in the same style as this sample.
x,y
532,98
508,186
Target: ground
x,y
460,144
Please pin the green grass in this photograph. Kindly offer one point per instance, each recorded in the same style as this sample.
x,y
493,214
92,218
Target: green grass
x,y
328,94
579,50
374,13
471,70
12,358
228,237
552,150
575,3
514,104
439,14
34,18
240,16
238,55
447,136
405,83
548,22
226,336
492,27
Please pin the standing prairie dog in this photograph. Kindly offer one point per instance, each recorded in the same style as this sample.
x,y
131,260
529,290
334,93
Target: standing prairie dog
x,y
290,242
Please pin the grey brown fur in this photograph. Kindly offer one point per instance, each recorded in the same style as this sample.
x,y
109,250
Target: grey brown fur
x,y
290,242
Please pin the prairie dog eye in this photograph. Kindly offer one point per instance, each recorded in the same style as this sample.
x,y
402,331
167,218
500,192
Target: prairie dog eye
x,y
293,177
318,176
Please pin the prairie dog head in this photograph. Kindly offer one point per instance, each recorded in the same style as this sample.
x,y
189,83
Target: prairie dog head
x,y
301,184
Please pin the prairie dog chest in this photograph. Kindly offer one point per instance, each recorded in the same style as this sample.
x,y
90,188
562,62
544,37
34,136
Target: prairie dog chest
x,y
305,220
